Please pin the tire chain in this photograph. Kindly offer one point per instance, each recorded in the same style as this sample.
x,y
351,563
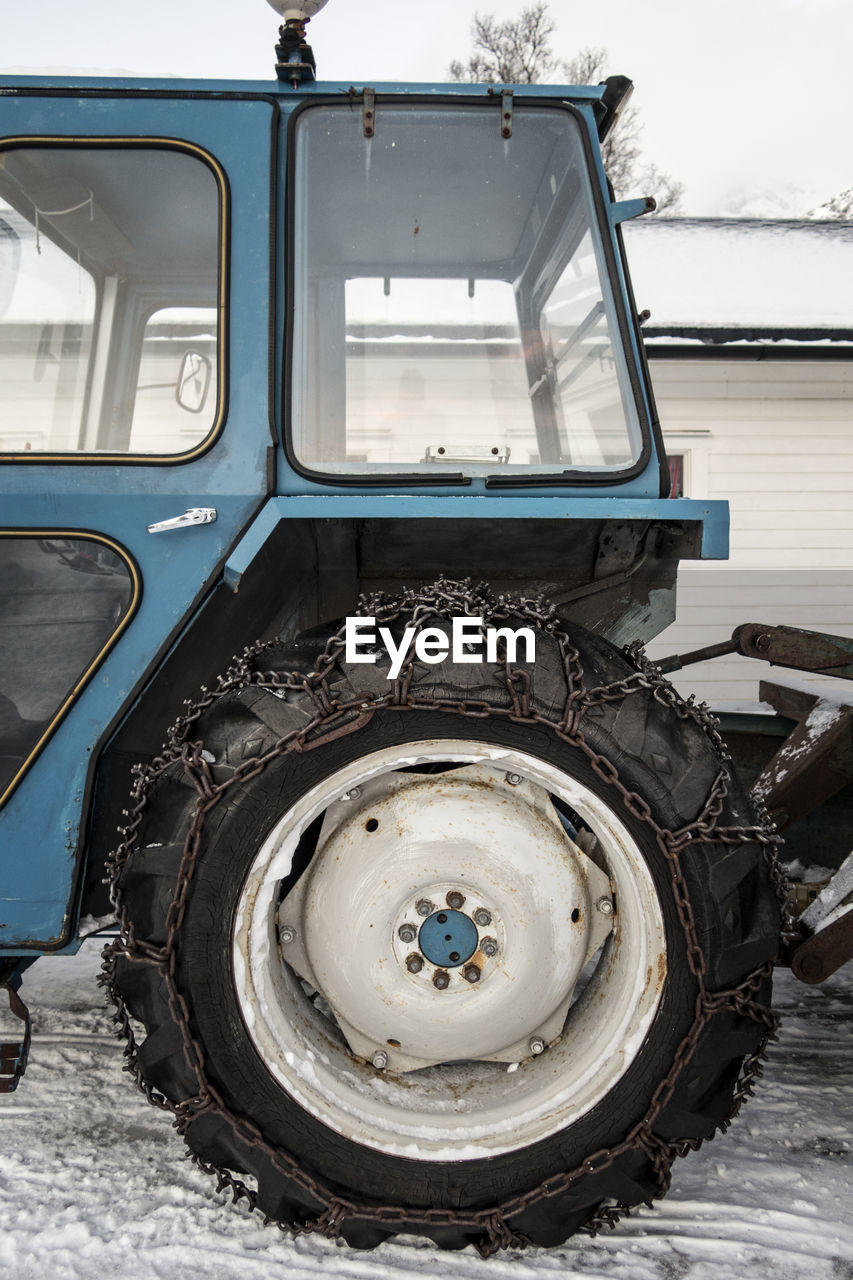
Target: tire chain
x,y
332,719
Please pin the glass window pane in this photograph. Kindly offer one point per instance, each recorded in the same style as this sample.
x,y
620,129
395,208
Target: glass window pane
x,y
47,310
453,312
63,599
580,350
177,381
456,390
109,283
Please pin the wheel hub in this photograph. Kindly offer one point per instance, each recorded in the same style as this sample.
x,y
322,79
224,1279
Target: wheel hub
x,y
448,938
385,922
442,950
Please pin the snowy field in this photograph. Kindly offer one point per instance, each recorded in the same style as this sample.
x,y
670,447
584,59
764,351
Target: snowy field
x,y
93,1183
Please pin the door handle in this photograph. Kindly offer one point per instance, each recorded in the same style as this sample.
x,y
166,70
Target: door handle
x,y
195,515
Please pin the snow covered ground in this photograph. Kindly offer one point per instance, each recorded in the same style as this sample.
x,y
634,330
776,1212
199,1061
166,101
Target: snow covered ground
x,y
93,1184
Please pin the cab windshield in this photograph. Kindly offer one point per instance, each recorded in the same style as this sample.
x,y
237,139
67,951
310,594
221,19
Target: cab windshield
x,y
452,307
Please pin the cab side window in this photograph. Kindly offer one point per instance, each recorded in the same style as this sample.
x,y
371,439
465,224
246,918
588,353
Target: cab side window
x,y
110,300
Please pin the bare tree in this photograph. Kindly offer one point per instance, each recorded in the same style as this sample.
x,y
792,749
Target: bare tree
x,y
519,51
666,190
621,148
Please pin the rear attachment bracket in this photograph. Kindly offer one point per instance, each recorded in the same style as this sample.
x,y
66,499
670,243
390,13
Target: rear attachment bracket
x,y
791,647
813,764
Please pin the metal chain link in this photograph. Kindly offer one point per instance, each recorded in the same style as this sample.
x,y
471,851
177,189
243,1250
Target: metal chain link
x,y
335,716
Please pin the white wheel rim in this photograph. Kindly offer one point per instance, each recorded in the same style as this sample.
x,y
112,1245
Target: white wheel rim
x,y
464,1109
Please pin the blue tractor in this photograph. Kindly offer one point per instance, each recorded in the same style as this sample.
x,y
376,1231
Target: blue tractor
x,y
438,910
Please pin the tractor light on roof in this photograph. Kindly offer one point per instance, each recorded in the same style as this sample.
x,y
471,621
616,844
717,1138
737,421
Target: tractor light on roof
x,y
294,56
300,12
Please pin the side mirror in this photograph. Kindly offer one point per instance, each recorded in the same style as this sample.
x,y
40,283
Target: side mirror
x,y
193,381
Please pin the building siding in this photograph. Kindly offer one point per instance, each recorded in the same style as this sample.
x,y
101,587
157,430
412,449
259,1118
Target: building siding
x,y
776,439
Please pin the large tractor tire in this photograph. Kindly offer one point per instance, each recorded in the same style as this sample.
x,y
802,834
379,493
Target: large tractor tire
x,y
473,953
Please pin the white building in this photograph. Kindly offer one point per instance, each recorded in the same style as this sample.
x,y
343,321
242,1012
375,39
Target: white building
x,y
750,343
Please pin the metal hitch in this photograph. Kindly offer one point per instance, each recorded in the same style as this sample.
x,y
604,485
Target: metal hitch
x,y
780,646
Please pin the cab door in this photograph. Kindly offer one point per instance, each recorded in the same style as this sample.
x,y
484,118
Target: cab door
x,y
134,427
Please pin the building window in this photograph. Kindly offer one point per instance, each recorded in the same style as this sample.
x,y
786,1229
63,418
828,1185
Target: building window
x,y
676,475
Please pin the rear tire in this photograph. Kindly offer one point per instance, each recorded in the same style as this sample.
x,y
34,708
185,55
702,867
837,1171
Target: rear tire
x,y
276,1086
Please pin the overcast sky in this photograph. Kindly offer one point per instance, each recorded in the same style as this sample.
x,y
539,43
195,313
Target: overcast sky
x,y
748,102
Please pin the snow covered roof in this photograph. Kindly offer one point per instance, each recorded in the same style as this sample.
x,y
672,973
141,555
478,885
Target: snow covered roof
x,y
716,280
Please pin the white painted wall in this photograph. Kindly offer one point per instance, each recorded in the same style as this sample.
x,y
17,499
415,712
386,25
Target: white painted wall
x,y
776,439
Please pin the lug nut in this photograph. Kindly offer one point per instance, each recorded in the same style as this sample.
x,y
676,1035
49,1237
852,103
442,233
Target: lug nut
x,y
441,979
424,907
537,1046
406,932
414,963
514,778
605,906
482,917
286,934
380,1059
489,947
455,900
471,973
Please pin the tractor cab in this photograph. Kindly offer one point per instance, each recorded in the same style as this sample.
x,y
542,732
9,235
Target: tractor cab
x,y
453,300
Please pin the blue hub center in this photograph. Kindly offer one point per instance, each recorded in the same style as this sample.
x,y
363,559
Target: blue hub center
x,y
448,938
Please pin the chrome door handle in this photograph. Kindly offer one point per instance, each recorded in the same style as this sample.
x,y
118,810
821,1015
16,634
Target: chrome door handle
x,y
195,515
